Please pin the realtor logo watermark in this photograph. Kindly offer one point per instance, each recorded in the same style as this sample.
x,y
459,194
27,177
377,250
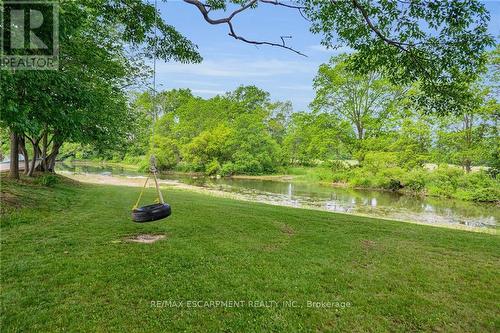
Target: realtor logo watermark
x,y
29,35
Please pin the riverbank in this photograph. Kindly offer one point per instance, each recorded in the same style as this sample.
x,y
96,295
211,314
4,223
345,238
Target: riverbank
x,y
439,181
310,193
253,196
66,254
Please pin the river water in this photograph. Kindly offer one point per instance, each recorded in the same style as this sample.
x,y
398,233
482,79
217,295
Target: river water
x,y
354,201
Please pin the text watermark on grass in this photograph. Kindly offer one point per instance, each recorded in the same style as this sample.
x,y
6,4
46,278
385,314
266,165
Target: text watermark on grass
x,y
29,35
193,304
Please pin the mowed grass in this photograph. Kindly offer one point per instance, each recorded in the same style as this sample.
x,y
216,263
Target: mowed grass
x,y
66,267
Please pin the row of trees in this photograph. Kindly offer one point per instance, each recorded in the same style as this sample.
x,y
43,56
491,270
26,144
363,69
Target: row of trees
x,y
103,45
245,132
240,132
352,115
86,100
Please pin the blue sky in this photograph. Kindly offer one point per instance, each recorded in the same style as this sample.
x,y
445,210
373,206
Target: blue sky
x,y
229,63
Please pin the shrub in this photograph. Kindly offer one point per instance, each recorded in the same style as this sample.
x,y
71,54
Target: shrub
x,y
476,180
443,181
489,194
409,160
184,166
323,174
116,157
213,168
378,181
340,177
359,181
377,161
493,172
227,169
49,180
144,165
134,160
250,166
337,165
394,185
361,178
165,151
437,191
415,180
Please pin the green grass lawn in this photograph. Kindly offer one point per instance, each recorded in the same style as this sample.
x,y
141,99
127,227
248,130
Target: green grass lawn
x,y
66,267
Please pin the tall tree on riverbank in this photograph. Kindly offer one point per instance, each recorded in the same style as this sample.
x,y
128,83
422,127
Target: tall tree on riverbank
x,y
435,43
471,137
366,101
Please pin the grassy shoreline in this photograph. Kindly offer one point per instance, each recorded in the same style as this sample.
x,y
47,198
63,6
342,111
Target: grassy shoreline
x,y
445,185
66,259
124,181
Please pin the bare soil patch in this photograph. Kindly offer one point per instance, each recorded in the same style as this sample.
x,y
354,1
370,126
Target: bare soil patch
x,y
287,230
368,244
145,238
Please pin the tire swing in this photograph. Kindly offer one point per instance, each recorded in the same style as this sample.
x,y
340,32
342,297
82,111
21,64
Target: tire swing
x,y
160,209
153,212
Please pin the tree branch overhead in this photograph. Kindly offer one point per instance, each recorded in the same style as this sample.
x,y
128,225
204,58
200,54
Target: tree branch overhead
x,y
205,9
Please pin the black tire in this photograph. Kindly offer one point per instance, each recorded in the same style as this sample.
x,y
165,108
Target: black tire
x,y
151,213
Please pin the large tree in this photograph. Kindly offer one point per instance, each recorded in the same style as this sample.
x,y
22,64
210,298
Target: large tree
x,y
237,132
471,137
366,101
315,137
85,100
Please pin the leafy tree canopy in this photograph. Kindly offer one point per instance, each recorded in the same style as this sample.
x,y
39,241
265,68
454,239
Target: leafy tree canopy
x,y
439,44
86,99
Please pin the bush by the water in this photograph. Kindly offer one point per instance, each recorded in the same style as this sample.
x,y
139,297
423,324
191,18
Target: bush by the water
x,y
444,181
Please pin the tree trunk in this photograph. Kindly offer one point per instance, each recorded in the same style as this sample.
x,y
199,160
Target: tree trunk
x,y
468,166
24,151
36,155
44,153
51,159
468,141
360,131
14,156
33,161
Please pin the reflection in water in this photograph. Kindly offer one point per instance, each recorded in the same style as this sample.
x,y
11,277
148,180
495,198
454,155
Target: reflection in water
x,y
298,194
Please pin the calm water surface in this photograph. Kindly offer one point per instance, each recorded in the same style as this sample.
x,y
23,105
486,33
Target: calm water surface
x,y
300,194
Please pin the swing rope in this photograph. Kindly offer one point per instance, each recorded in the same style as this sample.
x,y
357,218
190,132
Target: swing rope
x,y
152,161
152,172
140,195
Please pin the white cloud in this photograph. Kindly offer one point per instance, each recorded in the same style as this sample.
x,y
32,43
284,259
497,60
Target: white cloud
x,y
237,68
297,87
197,82
208,91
